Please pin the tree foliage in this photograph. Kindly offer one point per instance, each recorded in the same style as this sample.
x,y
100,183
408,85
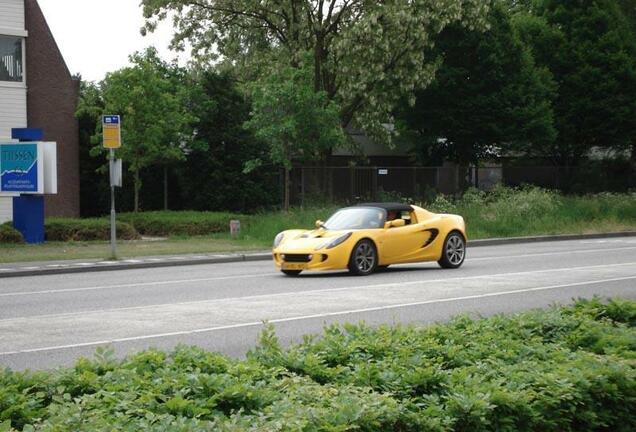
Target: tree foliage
x,y
151,98
212,178
94,185
296,122
488,95
590,49
365,55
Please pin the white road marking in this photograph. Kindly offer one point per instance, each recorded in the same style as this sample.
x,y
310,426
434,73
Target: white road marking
x,y
325,290
314,316
184,281
539,254
139,284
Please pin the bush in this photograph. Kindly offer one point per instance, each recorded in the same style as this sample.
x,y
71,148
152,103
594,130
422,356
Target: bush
x,y
8,234
530,210
86,230
537,371
183,223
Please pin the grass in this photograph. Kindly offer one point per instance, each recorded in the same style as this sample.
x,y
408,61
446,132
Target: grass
x,y
503,212
56,251
560,369
506,212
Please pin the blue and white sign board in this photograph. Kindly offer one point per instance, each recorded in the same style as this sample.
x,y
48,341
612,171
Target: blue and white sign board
x,y
111,131
28,168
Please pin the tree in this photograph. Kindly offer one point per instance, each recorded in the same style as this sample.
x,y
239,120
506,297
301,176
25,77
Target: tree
x,y
94,191
629,9
213,178
488,95
151,97
366,55
295,122
590,49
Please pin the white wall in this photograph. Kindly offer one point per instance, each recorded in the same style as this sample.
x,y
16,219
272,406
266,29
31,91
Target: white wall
x,y
12,114
11,15
6,209
12,95
13,110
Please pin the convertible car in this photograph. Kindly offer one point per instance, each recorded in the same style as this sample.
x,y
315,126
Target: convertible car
x,y
373,236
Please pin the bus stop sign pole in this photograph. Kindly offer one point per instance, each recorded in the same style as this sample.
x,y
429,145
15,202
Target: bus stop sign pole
x,y
113,216
111,128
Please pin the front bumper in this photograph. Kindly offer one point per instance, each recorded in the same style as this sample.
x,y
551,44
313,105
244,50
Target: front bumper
x,y
308,260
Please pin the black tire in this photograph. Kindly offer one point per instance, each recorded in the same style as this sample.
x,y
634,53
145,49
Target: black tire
x,y
292,272
364,258
454,251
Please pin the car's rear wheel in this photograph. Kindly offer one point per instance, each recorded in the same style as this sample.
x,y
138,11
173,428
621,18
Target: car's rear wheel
x,y
292,272
454,251
364,258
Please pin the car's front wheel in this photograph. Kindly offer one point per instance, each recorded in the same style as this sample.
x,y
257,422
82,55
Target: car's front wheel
x,y
364,258
454,251
291,272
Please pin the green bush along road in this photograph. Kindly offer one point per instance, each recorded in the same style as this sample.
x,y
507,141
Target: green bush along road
x,y
568,368
502,212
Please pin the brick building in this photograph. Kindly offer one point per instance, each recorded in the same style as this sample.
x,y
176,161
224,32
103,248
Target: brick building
x,y
38,91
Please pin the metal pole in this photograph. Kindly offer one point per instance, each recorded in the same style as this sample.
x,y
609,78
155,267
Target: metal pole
x,y
113,226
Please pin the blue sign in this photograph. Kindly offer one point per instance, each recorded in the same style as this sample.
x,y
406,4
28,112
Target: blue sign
x,y
27,134
19,168
110,119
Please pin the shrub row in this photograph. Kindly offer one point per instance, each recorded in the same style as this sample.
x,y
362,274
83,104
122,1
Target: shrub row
x,y
563,369
8,234
505,212
86,230
502,212
179,223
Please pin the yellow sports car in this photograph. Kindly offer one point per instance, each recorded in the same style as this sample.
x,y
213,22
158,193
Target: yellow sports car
x,y
371,236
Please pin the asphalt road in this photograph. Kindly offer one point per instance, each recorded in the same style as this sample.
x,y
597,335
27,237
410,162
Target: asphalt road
x,y
47,321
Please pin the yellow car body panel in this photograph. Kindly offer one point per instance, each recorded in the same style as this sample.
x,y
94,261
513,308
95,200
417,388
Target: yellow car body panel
x,y
420,241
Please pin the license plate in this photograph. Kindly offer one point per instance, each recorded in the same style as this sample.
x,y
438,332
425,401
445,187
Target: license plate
x,y
294,266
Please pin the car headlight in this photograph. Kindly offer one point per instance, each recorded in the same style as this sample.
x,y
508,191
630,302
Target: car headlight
x,y
278,239
337,241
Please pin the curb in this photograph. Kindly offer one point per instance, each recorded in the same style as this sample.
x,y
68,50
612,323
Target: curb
x,y
179,261
545,238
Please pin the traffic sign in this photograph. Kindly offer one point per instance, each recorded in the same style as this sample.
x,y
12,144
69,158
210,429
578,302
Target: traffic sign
x,y
111,127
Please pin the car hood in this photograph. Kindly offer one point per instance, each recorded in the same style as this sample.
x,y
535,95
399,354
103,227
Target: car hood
x,y
303,240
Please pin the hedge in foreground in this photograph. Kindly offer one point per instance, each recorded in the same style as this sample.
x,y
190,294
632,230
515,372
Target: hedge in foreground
x,y
557,370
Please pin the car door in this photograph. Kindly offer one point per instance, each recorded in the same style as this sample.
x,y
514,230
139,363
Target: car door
x,y
403,244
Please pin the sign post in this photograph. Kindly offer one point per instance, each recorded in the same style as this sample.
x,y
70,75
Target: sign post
x,y
111,128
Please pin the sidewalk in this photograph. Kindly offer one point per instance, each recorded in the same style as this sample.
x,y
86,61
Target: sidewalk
x,y
84,266
88,265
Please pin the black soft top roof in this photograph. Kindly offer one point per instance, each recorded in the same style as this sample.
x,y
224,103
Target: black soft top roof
x,y
388,206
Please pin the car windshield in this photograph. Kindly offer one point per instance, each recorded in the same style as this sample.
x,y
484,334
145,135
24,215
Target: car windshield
x,y
356,218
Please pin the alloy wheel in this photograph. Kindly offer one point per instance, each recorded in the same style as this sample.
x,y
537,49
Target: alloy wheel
x,y
365,257
455,250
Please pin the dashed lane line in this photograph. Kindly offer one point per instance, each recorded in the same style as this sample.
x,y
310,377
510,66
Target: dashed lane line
x,y
314,316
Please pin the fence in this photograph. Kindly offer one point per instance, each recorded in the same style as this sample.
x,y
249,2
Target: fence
x,y
351,184
354,184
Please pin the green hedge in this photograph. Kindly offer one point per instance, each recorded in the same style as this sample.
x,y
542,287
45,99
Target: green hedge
x,y
563,369
180,223
8,234
86,230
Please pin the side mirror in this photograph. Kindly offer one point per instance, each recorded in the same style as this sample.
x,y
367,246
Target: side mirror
x,y
320,224
395,223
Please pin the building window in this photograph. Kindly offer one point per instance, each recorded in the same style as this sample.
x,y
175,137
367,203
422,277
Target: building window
x,y
11,68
